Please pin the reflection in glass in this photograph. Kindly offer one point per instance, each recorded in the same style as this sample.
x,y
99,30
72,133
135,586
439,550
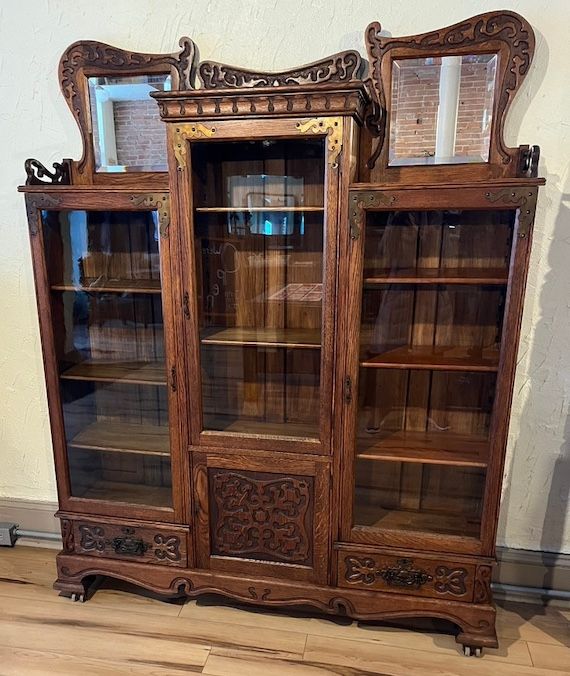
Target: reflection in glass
x,y
109,336
259,237
127,132
441,109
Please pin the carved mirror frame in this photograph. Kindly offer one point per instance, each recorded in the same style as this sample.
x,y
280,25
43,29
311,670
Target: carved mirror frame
x,y
506,34
89,58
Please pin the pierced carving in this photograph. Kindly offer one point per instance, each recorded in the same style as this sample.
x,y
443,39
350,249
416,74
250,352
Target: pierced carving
x,y
366,199
158,201
36,171
260,516
83,58
332,126
341,67
36,202
67,536
522,198
183,132
92,538
481,32
450,580
482,590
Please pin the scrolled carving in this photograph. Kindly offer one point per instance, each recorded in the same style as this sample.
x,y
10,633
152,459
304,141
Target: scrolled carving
x,y
67,535
167,547
35,202
261,516
263,596
482,33
450,580
342,67
92,538
362,200
482,589
85,57
158,201
36,171
183,132
360,570
332,126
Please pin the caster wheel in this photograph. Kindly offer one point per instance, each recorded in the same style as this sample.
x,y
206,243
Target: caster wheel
x,y
78,597
470,651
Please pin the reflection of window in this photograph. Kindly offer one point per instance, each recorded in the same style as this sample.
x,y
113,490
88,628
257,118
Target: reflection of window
x,y
128,134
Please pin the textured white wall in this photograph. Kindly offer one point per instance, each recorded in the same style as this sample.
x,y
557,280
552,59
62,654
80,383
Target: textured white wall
x,y
276,34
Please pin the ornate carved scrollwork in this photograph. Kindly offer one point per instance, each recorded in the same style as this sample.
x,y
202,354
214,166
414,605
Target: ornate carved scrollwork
x,y
450,580
167,547
158,201
482,33
67,536
260,516
332,127
92,538
35,202
482,590
184,132
84,57
341,67
522,198
362,200
36,171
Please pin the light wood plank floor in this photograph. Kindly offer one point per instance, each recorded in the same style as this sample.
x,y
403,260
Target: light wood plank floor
x,y
118,632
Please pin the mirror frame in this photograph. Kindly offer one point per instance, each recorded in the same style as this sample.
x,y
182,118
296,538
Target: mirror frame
x,y
506,34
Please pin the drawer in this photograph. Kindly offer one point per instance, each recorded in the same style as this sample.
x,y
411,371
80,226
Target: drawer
x,y
414,575
162,545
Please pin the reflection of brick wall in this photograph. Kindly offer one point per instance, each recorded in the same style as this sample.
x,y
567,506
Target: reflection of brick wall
x,y
140,134
415,107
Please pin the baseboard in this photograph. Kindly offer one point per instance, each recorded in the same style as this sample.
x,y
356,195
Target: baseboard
x,y
520,575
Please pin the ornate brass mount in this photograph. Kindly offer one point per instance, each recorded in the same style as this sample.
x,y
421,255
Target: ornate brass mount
x,y
403,575
129,545
362,200
524,199
332,127
183,132
158,201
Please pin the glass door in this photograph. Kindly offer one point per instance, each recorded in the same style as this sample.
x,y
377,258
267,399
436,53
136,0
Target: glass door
x,y
104,277
433,292
259,240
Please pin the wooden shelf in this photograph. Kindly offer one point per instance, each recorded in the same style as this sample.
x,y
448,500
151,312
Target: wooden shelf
x,y
112,286
120,491
263,337
436,448
223,425
427,522
123,438
137,373
495,276
224,210
436,357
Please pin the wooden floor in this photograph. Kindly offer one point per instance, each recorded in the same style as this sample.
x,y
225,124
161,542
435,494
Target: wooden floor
x,y
118,632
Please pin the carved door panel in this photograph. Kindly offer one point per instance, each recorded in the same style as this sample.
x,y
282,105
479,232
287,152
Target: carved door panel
x,y
254,521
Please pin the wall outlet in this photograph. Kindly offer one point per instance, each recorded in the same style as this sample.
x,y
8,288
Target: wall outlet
x,y
8,534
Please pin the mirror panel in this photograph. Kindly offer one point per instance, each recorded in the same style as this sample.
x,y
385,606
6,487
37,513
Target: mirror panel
x,y
128,134
442,109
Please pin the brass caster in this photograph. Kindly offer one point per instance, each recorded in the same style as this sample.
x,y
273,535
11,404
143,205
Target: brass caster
x,y
471,651
78,597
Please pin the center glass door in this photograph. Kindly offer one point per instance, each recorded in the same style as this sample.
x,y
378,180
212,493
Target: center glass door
x,y
259,239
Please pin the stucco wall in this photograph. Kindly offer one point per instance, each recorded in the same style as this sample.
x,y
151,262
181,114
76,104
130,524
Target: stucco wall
x,y
266,34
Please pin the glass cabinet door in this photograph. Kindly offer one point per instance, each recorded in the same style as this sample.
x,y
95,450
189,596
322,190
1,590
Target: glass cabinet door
x,y
433,295
258,245
104,275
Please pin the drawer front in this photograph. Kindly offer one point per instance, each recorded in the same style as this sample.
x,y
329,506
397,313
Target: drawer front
x,y
145,544
411,575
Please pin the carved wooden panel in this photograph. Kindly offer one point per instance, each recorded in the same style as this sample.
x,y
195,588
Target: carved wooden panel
x,y
406,575
261,516
482,592
146,544
341,67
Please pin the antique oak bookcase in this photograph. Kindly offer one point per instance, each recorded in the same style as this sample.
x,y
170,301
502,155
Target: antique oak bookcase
x,y
280,315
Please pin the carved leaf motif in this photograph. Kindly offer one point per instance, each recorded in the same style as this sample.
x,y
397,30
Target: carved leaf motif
x,y
92,538
67,535
342,67
450,580
167,547
261,518
482,591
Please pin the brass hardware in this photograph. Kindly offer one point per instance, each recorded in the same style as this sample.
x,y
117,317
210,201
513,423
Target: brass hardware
x,y
173,383
158,201
35,202
403,575
332,126
362,200
524,199
128,545
348,389
183,132
186,303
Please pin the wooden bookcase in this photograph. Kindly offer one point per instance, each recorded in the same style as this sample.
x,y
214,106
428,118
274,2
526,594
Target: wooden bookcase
x,y
282,370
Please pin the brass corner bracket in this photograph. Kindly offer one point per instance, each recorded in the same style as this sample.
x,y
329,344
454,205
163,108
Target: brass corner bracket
x,y
332,127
